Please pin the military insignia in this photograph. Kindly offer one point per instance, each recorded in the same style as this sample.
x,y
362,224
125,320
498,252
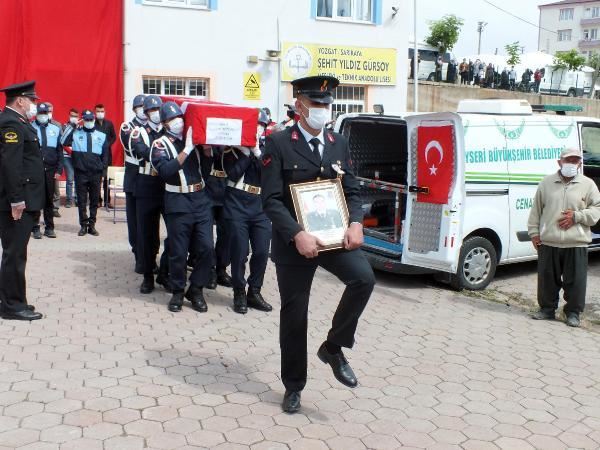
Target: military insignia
x,y
324,86
295,136
338,169
266,161
330,138
173,109
10,137
52,133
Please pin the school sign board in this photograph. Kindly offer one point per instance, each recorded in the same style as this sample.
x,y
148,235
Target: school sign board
x,y
351,65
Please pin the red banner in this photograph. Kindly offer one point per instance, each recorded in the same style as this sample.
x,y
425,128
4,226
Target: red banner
x,y
435,163
73,49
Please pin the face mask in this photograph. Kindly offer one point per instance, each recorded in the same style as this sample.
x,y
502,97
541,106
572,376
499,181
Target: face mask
x,y
100,115
42,118
176,126
569,170
89,124
49,116
154,117
32,111
73,120
317,117
139,113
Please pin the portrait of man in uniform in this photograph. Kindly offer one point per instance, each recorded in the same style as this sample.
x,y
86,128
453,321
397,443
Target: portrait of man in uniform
x,y
322,216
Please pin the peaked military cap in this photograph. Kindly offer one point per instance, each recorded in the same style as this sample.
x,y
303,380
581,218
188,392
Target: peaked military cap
x,y
317,88
26,89
43,108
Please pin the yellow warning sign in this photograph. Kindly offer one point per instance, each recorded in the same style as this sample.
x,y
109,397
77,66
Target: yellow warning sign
x,y
251,86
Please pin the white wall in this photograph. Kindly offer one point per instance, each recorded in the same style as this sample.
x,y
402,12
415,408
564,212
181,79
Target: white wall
x,y
549,20
215,44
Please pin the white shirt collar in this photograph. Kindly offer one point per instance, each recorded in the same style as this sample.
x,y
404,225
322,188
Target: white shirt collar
x,y
308,136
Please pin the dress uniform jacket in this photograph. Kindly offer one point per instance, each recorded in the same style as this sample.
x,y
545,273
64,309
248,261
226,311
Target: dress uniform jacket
x,y
132,163
244,176
288,160
146,185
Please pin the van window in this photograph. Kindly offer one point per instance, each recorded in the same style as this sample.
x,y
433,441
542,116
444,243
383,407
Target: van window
x,y
428,55
590,139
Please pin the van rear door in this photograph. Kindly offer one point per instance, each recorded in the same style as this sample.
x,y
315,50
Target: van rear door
x,y
432,234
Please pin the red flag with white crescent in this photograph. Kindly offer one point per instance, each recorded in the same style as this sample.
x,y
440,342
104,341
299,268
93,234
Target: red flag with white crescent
x,y
435,163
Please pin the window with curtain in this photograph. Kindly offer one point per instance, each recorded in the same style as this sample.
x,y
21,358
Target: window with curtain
x,y
192,87
348,10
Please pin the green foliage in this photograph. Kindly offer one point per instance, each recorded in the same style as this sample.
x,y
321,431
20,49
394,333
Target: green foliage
x,y
444,33
570,60
514,53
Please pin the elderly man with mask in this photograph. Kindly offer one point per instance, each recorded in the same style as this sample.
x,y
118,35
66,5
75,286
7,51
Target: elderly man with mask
x,y
565,206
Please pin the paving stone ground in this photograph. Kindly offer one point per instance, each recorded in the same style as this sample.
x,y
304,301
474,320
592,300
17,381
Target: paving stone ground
x,y
109,368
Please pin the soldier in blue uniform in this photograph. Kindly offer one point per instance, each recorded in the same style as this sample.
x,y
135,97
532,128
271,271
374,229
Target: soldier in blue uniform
x,y
246,222
187,207
49,135
149,195
90,158
303,153
216,181
132,166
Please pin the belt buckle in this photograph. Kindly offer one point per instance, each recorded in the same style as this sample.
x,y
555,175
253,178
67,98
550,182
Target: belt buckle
x,y
253,189
197,187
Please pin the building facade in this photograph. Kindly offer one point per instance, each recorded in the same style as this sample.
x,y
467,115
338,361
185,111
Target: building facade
x,y
570,24
246,52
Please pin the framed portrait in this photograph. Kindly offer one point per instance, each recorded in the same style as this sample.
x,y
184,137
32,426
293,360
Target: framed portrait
x,y
321,210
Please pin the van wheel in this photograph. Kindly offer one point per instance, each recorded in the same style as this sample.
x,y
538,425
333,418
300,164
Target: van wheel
x,y
476,266
431,77
571,93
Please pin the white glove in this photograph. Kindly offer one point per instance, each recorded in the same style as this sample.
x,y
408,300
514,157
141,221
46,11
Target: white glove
x,y
256,152
189,145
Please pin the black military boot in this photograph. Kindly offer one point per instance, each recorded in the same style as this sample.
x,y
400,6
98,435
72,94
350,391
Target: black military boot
x,y
163,280
92,230
147,285
256,300
176,302
223,277
195,295
82,231
37,234
240,302
212,283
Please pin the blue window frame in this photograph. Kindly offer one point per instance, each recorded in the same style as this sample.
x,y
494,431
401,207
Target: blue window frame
x,y
359,11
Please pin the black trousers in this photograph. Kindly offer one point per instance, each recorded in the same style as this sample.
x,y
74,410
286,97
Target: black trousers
x,y
105,188
352,269
14,235
87,187
50,183
221,255
189,233
130,213
148,212
564,268
242,235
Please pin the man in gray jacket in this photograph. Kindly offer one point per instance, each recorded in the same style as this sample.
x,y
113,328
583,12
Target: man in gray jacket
x,y
565,206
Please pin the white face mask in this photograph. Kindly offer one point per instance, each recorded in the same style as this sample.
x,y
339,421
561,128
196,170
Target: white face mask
x,y
154,116
176,126
89,124
317,117
73,120
100,115
50,115
42,118
569,170
32,111
139,113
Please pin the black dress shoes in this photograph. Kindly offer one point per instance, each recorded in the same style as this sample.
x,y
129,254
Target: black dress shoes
x,y
212,283
291,402
163,280
255,300
195,295
339,364
147,285
37,234
176,302
25,314
49,232
223,278
240,302
92,230
82,231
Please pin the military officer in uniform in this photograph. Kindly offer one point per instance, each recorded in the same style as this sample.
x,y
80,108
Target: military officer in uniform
x,y
149,195
49,135
322,218
21,196
216,181
246,222
187,207
302,153
132,166
90,158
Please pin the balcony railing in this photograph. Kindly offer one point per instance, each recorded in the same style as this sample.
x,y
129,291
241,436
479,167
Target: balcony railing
x,y
589,43
590,21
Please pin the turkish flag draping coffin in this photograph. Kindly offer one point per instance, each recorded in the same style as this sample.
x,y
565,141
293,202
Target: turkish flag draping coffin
x,y
435,166
217,123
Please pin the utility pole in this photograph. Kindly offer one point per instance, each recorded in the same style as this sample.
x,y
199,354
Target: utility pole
x,y
522,49
480,26
415,63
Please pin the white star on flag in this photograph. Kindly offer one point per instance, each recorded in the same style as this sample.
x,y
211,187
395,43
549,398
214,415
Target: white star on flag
x,y
433,170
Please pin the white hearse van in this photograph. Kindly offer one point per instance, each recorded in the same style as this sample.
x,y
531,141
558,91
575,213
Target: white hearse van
x,y
497,152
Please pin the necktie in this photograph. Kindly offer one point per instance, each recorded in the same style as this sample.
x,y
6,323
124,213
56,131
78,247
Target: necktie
x,y
314,142
44,137
89,142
